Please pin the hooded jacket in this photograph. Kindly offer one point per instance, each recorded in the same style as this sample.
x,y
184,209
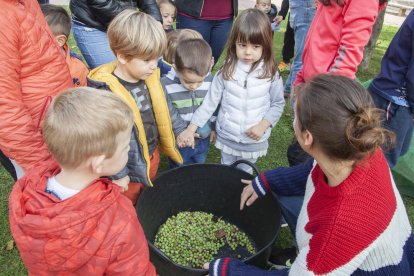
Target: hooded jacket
x,y
33,70
94,232
166,116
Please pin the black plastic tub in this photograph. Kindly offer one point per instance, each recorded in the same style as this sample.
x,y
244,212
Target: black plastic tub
x,y
209,188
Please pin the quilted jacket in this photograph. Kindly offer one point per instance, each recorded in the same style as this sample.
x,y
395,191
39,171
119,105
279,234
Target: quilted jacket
x,y
169,122
32,69
94,232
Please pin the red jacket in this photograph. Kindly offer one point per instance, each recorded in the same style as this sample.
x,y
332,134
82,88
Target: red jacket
x,y
32,68
94,232
336,38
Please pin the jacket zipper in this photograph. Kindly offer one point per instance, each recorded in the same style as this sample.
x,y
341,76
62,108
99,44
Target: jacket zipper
x,y
201,11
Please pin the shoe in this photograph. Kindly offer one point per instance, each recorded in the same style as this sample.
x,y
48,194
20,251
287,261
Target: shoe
x,y
284,66
283,257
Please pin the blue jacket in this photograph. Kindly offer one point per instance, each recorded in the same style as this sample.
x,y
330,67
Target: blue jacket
x,y
395,81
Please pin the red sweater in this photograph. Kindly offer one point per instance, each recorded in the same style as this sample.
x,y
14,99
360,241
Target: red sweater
x,y
336,39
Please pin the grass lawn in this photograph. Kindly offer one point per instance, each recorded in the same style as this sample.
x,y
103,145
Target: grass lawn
x,y
10,262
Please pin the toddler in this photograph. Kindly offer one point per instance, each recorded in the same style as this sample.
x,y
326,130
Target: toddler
x,y
59,22
250,91
187,85
66,218
138,40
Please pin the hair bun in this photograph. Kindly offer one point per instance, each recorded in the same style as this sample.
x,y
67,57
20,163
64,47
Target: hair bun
x,y
364,131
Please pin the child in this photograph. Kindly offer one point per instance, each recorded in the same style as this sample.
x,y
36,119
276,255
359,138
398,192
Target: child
x,y
174,37
249,89
393,89
187,85
270,9
65,218
168,13
59,22
353,220
138,40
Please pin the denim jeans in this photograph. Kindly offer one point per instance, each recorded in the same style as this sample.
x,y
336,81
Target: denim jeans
x,y
301,16
398,120
93,45
193,156
290,207
215,32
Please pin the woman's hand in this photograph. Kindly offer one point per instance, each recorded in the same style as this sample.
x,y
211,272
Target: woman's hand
x,y
248,195
256,132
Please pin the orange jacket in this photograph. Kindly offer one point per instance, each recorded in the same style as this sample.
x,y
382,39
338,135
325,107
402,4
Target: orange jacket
x,y
77,68
32,68
94,232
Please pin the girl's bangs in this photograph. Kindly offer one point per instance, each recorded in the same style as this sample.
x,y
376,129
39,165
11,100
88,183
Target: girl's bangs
x,y
250,35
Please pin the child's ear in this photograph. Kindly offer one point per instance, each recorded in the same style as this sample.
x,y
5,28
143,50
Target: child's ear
x,y
121,58
97,163
212,63
175,67
61,40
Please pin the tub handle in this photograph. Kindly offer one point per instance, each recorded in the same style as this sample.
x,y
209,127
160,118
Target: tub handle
x,y
242,161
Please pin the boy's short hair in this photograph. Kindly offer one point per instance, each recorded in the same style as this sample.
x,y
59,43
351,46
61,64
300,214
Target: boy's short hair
x,y
135,34
57,18
170,2
194,55
176,36
84,122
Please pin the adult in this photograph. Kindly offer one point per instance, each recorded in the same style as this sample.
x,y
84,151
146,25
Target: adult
x,y
335,44
213,19
393,89
288,50
353,221
90,20
302,13
32,71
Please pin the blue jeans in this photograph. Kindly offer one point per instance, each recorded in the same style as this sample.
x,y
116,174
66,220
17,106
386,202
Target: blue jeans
x,y
93,45
215,32
301,16
193,156
399,120
290,207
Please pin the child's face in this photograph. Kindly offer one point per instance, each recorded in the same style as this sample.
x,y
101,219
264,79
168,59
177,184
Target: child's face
x,y
168,15
137,69
248,53
118,161
263,5
190,79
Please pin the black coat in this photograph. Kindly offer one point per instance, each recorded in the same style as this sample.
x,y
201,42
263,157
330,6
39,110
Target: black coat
x,y
99,13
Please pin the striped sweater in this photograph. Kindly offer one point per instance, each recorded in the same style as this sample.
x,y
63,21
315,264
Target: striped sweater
x,y
359,227
185,101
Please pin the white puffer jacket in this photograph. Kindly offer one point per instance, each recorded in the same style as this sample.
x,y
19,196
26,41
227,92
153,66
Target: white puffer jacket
x,y
245,101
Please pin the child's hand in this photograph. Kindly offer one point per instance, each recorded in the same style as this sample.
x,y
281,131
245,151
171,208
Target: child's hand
x,y
278,19
186,138
256,132
212,137
248,195
123,183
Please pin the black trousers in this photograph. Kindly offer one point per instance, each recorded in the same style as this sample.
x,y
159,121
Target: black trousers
x,y
288,50
7,164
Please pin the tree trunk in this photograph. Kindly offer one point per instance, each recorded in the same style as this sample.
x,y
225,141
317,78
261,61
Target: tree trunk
x,y
369,48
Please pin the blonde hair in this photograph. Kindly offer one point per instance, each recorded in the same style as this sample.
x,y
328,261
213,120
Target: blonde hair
x,y
174,37
135,34
84,122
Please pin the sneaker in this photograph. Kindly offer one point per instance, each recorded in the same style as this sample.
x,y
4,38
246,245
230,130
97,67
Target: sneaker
x,y
284,66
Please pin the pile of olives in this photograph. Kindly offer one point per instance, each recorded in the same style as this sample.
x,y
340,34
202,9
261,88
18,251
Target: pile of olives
x,y
194,238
